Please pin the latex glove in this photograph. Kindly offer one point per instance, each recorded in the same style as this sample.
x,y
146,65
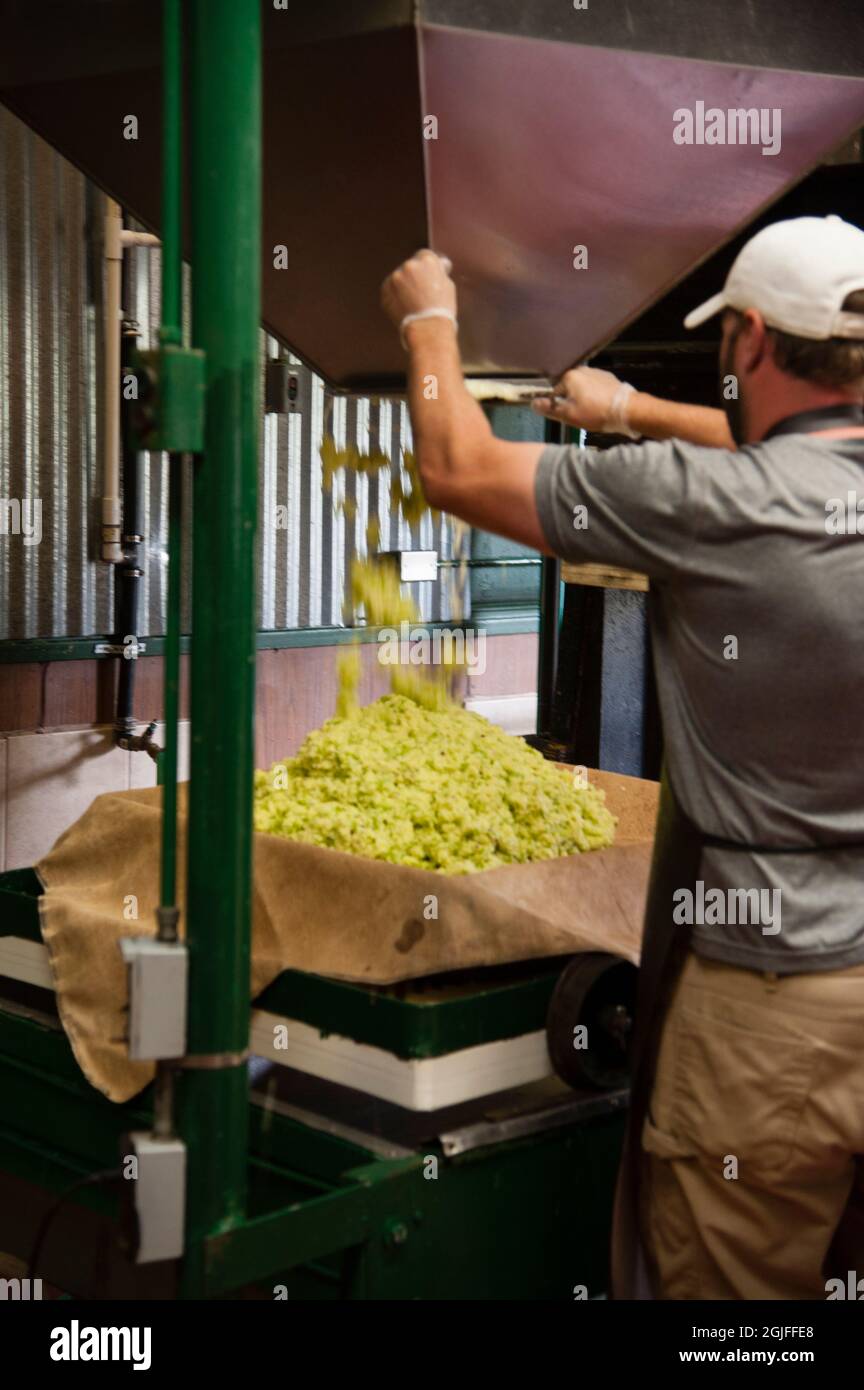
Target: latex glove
x,y
423,282
584,399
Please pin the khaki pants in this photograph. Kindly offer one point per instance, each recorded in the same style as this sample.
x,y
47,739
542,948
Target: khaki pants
x,y
757,1115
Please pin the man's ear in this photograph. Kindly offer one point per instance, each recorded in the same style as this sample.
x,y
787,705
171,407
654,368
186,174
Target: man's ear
x,y
756,343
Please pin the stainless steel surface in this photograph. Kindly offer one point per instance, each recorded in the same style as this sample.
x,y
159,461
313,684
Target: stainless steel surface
x,y
50,429
392,1132
571,1109
492,390
120,649
365,1139
555,130
575,147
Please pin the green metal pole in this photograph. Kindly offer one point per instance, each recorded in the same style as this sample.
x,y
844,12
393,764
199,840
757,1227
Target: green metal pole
x,y
168,913
171,334
172,146
225,153
168,757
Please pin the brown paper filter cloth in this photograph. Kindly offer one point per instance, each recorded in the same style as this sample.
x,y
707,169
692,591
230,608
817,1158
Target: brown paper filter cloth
x,y
325,912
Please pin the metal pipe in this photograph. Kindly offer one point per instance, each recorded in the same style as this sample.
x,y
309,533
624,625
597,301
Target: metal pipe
x,y
550,611
225,180
129,572
121,504
494,562
112,550
163,1100
547,653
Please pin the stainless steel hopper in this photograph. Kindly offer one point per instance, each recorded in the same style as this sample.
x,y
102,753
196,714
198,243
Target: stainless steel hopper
x,y
502,133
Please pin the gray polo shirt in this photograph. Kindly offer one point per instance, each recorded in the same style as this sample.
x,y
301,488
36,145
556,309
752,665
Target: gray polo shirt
x,y
757,623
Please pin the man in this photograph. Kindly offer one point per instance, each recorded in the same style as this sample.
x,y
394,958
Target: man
x,y
749,1111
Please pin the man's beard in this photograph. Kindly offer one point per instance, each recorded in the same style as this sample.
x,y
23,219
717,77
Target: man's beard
x,y
733,409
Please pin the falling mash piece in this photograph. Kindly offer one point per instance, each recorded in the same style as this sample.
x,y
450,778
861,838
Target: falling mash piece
x,y
434,789
376,586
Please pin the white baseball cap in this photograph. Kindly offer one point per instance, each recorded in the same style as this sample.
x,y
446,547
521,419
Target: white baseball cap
x,y
797,274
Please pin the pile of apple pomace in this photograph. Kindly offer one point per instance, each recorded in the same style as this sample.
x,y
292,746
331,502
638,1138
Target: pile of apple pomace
x,y
412,778
435,789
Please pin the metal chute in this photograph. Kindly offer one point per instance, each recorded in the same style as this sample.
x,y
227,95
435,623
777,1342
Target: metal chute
x,y
505,135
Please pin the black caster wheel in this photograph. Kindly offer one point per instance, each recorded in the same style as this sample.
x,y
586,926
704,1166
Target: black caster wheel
x,y
589,1024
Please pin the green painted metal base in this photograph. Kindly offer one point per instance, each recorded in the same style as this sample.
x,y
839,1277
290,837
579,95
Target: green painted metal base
x,y
523,1219
327,1218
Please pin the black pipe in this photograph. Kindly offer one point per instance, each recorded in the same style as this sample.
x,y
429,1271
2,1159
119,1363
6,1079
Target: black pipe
x,y
550,590
547,663
494,562
129,571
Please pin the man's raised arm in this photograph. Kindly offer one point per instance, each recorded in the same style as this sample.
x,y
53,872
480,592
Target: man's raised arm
x,y
466,471
588,398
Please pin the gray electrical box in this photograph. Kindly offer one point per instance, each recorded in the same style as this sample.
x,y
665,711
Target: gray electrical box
x,y
414,566
158,973
159,1196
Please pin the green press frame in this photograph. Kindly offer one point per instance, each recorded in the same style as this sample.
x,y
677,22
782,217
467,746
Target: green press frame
x,y
509,1213
270,1199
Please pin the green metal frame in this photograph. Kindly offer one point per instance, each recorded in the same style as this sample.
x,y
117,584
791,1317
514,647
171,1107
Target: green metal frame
x,y
171,336
21,651
224,70
326,1218
413,1022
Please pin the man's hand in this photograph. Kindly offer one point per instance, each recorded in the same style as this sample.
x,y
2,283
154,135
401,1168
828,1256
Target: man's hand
x,y
583,399
421,283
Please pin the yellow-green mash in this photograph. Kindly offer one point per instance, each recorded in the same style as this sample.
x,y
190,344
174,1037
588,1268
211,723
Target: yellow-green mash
x,y
436,789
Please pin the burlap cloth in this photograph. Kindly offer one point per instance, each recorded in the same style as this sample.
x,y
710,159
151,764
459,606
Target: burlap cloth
x,y
325,912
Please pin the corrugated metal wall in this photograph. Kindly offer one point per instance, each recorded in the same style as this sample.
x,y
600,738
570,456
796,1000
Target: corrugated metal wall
x,y
50,430
48,346
304,566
